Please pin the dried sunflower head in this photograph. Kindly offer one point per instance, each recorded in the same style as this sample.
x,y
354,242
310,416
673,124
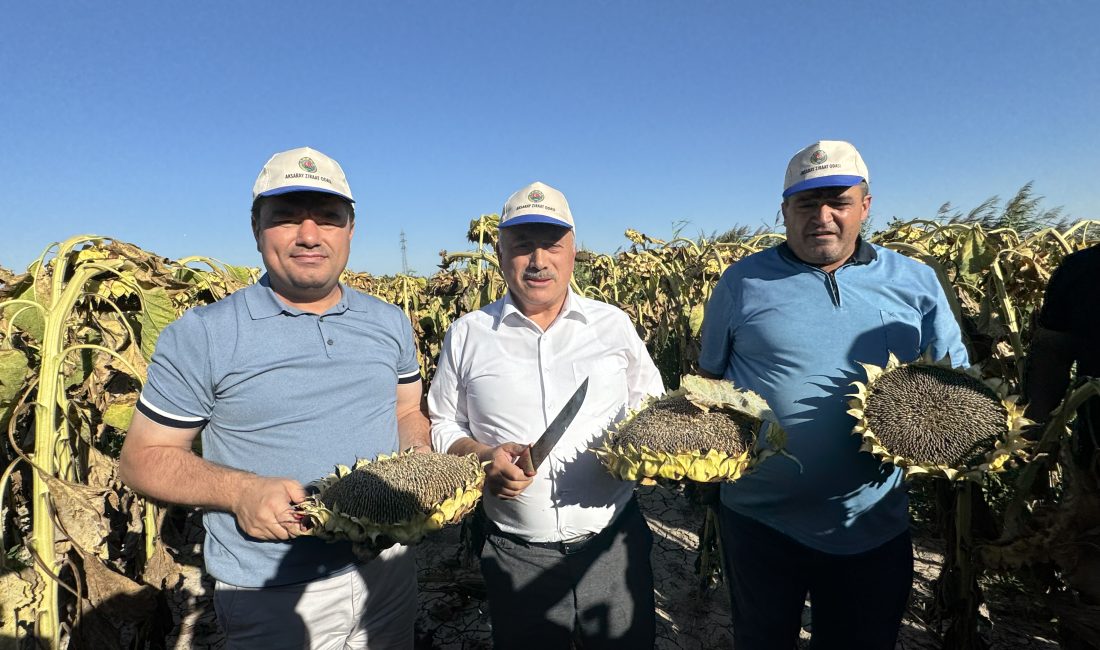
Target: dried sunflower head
x,y
393,499
705,431
930,418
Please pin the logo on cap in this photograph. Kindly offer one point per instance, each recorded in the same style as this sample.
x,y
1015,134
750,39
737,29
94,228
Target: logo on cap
x,y
308,165
535,196
818,157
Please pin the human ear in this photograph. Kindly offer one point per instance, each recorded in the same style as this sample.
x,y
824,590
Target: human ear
x,y
866,208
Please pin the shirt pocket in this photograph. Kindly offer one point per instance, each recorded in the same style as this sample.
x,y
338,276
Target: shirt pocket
x,y
902,333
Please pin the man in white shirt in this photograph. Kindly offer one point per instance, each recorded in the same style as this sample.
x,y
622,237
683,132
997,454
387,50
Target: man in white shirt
x,y
567,550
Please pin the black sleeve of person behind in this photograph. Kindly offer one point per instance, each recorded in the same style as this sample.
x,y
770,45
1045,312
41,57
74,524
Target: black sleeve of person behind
x,y
1072,305
1072,300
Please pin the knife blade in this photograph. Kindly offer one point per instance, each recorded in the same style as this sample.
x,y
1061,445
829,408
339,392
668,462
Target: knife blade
x,y
541,449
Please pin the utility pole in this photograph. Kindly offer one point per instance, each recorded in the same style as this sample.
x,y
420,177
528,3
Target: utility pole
x,y
404,255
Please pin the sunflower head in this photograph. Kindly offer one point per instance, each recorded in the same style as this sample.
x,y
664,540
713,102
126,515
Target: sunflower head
x,y
393,499
705,431
928,417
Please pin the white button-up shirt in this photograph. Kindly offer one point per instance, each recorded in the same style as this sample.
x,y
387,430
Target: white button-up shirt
x,y
501,378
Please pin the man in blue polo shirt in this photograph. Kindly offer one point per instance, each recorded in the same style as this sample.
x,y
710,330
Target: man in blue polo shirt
x,y
285,379
792,323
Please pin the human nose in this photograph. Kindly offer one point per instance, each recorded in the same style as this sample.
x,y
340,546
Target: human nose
x,y
536,259
309,233
824,213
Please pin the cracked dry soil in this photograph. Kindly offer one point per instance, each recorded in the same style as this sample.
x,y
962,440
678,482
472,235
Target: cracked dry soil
x,y
690,615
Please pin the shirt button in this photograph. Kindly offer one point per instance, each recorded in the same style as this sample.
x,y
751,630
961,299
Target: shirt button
x,y
329,341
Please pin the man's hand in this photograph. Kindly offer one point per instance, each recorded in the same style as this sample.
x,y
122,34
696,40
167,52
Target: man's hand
x,y
503,476
264,507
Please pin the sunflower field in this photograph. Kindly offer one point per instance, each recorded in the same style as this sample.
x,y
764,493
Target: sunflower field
x,y
78,327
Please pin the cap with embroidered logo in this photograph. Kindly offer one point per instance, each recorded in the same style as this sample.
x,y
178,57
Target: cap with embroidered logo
x,y
301,170
825,163
536,203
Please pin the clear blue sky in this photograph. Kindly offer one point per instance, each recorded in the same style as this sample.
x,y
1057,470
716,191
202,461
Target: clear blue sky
x,y
149,121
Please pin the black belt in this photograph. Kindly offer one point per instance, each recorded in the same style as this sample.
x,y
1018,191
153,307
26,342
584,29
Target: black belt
x,y
565,546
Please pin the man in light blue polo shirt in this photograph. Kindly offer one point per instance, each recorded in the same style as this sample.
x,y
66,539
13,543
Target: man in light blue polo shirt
x,y
285,379
792,323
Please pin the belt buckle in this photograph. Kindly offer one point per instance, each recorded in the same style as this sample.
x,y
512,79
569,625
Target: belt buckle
x,y
574,545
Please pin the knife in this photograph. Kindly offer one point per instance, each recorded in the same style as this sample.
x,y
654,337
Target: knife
x,y
541,449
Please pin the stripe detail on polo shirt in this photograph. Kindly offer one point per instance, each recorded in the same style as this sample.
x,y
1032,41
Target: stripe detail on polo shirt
x,y
168,419
409,378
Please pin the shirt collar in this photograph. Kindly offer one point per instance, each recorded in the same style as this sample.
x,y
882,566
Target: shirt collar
x,y
572,309
263,303
864,254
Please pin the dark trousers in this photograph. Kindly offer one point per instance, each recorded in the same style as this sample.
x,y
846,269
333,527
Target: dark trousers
x,y
600,592
857,601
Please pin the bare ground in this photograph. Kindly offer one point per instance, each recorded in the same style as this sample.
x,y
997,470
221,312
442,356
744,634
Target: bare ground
x,y
690,615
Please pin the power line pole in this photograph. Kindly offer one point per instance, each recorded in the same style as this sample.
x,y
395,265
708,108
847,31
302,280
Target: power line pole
x,y
404,255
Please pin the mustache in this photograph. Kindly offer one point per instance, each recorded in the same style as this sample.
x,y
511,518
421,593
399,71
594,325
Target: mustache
x,y
540,275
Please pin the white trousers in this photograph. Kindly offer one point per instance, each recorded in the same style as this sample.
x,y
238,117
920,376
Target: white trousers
x,y
373,606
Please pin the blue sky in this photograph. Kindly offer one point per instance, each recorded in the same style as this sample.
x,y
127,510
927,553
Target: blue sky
x,y
149,121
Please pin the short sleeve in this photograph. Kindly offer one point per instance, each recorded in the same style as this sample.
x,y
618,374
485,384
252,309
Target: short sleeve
x,y
179,389
408,367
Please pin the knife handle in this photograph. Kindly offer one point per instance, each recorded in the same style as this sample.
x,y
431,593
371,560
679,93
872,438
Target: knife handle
x,y
524,461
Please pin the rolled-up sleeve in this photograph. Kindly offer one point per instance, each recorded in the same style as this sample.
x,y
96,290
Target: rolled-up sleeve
x,y
447,395
642,377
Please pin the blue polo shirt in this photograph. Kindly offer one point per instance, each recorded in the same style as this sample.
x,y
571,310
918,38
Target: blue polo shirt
x,y
286,393
794,334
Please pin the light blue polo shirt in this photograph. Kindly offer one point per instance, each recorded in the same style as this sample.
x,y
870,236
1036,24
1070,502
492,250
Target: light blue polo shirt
x,y
794,334
286,393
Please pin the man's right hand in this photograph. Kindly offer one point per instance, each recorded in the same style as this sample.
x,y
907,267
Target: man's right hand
x,y
503,476
264,507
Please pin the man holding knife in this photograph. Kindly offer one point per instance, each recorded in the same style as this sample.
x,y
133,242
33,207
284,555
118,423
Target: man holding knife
x,y
529,383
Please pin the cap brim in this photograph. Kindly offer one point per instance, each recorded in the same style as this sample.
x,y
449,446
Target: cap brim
x,y
823,181
302,188
536,218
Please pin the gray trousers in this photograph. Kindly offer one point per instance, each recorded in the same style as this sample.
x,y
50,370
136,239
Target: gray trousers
x,y
600,593
373,606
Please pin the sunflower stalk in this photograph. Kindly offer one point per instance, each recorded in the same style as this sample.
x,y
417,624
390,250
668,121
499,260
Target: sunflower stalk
x,y
52,449
1008,310
1019,509
957,595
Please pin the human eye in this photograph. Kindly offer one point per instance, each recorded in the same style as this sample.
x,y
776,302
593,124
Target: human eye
x,y
282,217
331,218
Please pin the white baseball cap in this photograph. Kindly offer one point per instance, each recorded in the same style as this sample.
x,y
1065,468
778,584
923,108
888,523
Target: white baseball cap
x,y
536,203
825,163
301,170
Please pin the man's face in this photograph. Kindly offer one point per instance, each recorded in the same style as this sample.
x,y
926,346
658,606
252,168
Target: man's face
x,y
823,224
304,238
537,262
